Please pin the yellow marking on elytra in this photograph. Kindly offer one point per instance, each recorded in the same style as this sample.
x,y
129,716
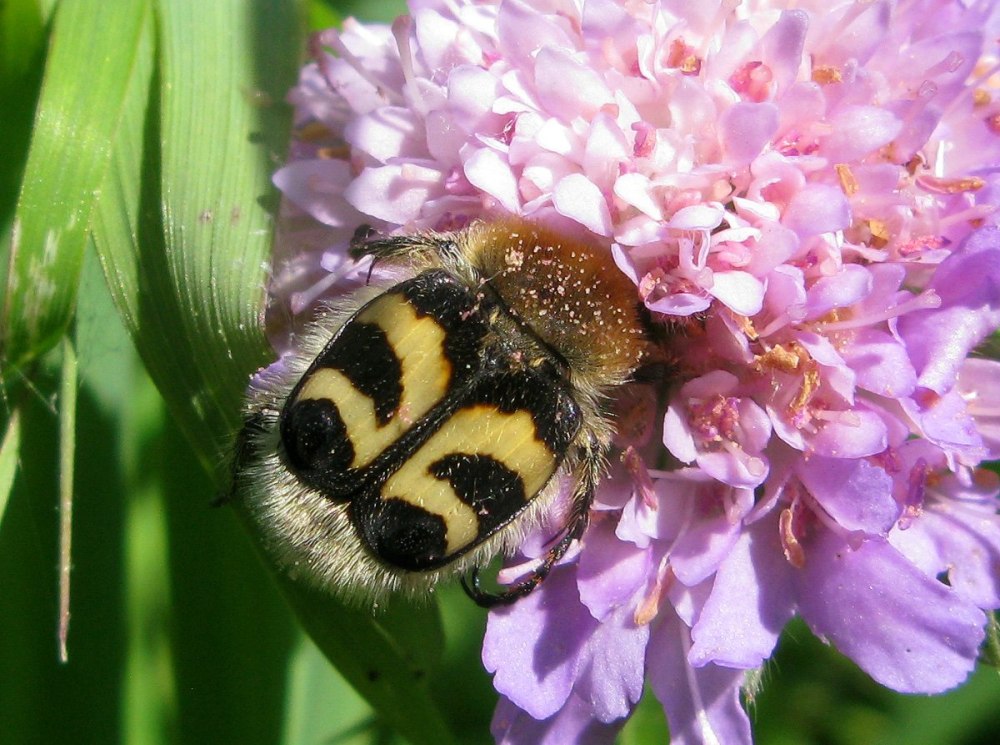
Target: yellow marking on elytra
x,y
477,430
418,343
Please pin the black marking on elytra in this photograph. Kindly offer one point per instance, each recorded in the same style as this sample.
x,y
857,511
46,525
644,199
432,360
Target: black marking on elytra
x,y
315,437
542,393
489,487
458,311
401,533
366,358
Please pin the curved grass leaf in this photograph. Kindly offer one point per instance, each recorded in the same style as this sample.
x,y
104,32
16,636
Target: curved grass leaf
x,y
10,448
86,76
184,233
386,658
68,382
190,192
22,54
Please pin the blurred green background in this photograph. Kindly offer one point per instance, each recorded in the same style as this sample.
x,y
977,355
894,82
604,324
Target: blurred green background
x,y
178,633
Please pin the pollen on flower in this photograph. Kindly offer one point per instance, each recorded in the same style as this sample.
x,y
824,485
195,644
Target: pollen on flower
x,y
334,152
827,75
514,259
807,389
950,186
981,97
880,234
313,132
780,358
649,605
921,478
986,479
848,182
715,418
790,524
636,468
683,57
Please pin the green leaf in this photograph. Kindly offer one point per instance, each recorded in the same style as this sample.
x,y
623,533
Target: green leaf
x,y
193,197
10,449
647,723
68,381
22,33
86,76
991,647
184,235
365,10
22,52
387,658
183,231
226,67
321,15
322,707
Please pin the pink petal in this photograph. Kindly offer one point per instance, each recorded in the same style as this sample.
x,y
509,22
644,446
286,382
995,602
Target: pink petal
x,y
606,149
859,130
611,570
317,187
855,493
612,669
635,189
677,434
746,129
856,434
781,47
578,198
850,285
905,629
750,603
491,172
568,88
534,646
740,291
817,209
881,363
573,723
387,133
697,217
522,30
394,193
702,704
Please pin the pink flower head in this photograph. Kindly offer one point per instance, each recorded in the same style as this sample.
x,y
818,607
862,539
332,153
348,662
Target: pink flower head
x,y
808,192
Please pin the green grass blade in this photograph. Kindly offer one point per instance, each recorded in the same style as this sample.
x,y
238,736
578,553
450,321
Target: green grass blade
x,y
225,67
10,449
22,52
184,225
386,658
322,708
991,647
68,381
183,229
184,233
50,700
149,687
86,75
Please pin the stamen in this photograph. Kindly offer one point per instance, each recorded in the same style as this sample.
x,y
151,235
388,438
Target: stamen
x,y
636,467
794,552
927,300
401,28
649,606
